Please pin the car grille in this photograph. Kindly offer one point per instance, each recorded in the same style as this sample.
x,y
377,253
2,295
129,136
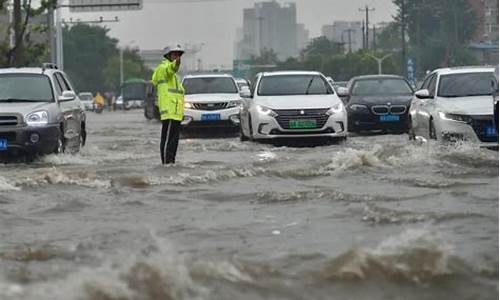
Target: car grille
x,y
286,115
481,125
386,109
9,120
210,106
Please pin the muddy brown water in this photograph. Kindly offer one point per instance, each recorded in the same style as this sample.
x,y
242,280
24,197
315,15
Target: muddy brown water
x,y
376,217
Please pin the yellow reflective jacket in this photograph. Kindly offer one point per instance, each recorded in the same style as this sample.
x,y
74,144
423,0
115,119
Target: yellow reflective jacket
x,y
170,91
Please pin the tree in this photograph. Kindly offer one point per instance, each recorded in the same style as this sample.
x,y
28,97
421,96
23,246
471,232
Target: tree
x,y
438,31
24,51
133,67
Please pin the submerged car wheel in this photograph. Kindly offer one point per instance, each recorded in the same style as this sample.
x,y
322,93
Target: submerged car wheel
x,y
432,131
250,129
61,145
243,137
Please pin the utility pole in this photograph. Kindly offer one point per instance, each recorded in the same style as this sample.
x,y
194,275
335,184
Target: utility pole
x,y
121,66
374,38
18,41
261,40
364,38
367,11
403,37
349,38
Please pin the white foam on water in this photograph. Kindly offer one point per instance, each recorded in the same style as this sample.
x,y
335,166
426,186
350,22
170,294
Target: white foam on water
x,y
6,185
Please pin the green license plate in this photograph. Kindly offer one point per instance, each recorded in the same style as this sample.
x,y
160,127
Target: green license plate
x,y
302,124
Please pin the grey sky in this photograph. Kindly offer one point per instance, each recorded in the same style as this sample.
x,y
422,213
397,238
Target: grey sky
x,y
215,22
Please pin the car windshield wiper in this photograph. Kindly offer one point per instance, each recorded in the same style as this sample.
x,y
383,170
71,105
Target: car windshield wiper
x,y
309,85
22,100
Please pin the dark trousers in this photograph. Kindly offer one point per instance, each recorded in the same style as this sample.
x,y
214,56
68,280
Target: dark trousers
x,y
170,131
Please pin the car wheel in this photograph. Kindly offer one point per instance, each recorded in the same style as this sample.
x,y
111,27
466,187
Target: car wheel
x,y
243,137
432,131
61,144
250,129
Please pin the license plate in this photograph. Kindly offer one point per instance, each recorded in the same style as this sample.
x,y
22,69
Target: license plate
x,y
210,117
491,131
3,144
389,118
302,124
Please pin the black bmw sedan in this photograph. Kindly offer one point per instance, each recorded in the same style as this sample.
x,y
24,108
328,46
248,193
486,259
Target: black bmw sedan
x,y
377,102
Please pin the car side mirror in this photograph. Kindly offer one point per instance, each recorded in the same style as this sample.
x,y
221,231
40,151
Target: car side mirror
x,y
67,96
342,91
423,94
245,92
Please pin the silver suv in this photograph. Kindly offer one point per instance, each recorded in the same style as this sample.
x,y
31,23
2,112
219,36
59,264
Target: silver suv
x,y
40,112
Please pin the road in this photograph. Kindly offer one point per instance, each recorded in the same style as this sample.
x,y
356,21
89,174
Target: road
x,y
375,217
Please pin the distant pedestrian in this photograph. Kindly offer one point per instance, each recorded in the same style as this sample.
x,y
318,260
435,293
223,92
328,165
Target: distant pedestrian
x,y
170,101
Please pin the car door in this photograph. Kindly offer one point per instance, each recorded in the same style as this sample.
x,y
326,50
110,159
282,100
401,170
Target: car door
x,y
70,109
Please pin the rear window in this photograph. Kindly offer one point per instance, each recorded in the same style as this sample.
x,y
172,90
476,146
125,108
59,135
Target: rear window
x,y
277,85
14,87
392,86
210,85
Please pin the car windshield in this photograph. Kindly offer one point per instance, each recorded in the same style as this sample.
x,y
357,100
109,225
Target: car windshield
x,y
210,85
379,86
13,88
86,97
278,85
466,84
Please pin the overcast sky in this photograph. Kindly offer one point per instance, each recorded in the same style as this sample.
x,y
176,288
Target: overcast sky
x,y
214,22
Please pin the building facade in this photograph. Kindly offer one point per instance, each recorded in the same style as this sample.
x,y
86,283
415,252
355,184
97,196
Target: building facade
x,y
270,25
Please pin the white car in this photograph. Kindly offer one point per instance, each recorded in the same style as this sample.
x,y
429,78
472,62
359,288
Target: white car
x,y
454,104
211,101
291,104
87,100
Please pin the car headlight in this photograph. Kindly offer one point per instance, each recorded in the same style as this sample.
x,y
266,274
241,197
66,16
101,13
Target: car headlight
x,y
455,117
266,111
358,107
337,108
235,103
37,118
188,105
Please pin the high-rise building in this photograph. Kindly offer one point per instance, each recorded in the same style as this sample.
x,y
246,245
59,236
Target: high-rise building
x,y
270,25
343,32
487,20
302,37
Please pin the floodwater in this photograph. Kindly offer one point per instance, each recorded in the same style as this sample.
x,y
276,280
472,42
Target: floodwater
x,y
376,217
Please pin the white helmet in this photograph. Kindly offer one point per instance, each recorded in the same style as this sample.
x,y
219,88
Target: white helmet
x,y
173,48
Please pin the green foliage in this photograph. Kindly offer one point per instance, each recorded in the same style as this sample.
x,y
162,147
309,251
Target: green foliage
x,y
133,67
92,59
438,31
25,52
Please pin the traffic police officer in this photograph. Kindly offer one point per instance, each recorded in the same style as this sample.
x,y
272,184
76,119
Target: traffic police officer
x,y
170,101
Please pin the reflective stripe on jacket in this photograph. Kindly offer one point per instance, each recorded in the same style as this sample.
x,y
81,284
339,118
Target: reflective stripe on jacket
x,y
170,91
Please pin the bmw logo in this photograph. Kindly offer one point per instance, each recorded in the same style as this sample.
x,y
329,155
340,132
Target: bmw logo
x,y
389,103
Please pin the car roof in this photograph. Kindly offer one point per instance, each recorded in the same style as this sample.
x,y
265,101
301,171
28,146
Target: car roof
x,y
280,73
377,76
466,69
208,75
26,70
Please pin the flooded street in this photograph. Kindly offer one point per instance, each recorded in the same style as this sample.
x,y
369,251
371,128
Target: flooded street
x,y
376,217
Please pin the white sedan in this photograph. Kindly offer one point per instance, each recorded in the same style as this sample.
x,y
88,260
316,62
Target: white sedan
x,y
454,104
291,104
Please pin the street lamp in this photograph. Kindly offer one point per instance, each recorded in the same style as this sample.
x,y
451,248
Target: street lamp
x,y
380,61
